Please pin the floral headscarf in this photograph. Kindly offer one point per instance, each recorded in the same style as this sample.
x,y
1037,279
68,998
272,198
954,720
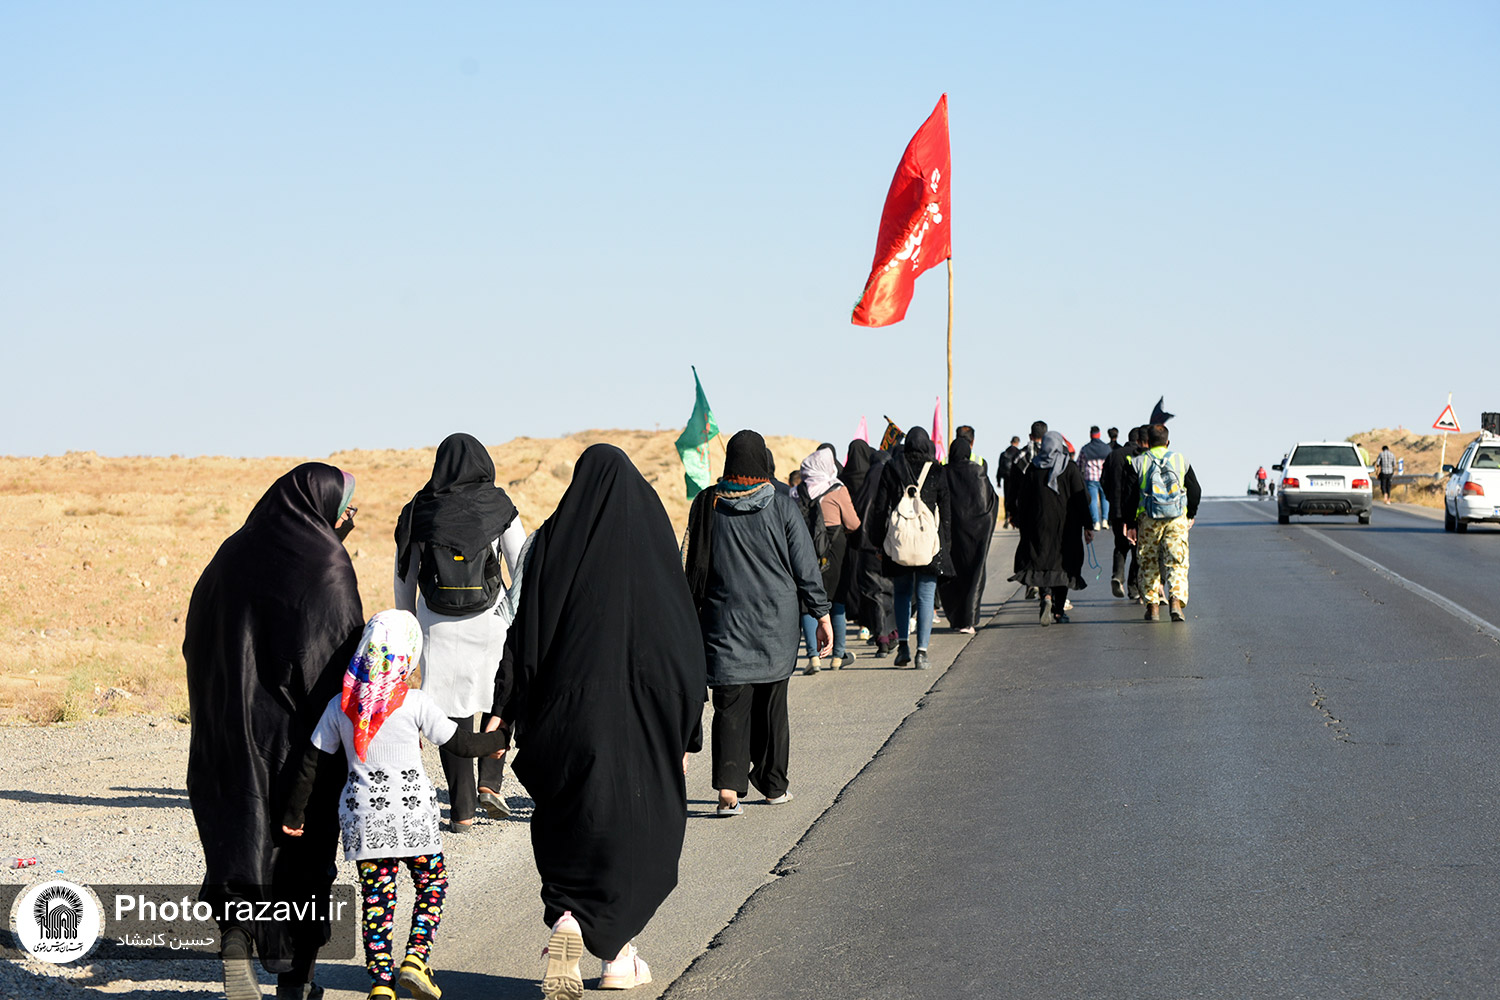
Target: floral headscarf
x,y
375,683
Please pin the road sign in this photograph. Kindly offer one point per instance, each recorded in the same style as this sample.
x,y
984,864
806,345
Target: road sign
x,y
1447,422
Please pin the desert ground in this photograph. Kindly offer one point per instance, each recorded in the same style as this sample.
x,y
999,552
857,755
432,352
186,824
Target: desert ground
x,y
99,555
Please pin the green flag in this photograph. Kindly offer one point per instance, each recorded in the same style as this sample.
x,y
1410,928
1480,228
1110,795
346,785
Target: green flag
x,y
692,443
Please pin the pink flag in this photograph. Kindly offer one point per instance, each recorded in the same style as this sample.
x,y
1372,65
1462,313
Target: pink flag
x,y
864,430
937,431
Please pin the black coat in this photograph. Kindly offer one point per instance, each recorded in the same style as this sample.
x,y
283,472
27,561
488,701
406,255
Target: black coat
x,y
1050,551
271,626
897,475
974,506
606,695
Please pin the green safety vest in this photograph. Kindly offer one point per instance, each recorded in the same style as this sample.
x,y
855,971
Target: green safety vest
x,y
1174,460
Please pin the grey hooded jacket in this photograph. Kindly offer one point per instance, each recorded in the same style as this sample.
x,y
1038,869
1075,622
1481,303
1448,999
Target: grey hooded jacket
x,y
763,572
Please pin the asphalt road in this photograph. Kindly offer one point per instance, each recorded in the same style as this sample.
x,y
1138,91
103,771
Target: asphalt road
x,y
1293,794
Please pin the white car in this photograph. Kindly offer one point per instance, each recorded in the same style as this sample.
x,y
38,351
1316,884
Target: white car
x,y
1323,477
1473,490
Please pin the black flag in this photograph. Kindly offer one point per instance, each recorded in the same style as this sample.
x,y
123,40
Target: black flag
x,y
1159,415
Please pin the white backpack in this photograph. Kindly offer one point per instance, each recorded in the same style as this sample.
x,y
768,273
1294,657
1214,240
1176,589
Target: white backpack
x,y
911,538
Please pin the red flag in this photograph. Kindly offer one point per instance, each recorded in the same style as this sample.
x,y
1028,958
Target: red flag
x,y
914,227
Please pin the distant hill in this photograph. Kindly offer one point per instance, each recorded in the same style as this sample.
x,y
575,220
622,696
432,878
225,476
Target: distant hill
x,y
98,556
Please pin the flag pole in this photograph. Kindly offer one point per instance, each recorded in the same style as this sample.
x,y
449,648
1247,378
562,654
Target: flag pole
x,y
950,346
1444,456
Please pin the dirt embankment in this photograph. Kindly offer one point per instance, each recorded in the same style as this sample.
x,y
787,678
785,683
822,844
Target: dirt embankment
x,y
1423,454
98,556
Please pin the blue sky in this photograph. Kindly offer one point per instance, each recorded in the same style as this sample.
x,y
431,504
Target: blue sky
x,y
291,229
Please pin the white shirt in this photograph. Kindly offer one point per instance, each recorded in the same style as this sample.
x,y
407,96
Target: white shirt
x,y
388,808
460,654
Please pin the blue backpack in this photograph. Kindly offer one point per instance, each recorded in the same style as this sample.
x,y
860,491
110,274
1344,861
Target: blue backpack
x,y
1161,488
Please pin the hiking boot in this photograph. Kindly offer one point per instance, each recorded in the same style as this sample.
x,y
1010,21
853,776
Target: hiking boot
x,y
1151,615
625,971
240,982
814,664
903,653
416,978
1045,617
562,979
1117,588
1175,609
922,662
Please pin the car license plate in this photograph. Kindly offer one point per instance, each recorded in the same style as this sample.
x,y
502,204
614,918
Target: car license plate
x,y
1326,480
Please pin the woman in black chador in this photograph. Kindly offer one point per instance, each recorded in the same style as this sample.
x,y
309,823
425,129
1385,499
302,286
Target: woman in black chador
x,y
271,626
1052,511
606,682
974,504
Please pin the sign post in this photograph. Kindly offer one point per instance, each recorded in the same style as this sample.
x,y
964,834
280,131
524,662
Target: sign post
x,y
1446,422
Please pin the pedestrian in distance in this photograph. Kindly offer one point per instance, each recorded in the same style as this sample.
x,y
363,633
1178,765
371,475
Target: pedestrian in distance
x,y
974,506
910,523
388,812
1114,439
1015,478
450,540
752,571
605,693
1125,574
828,511
1002,474
1053,514
1091,462
877,604
270,627
1167,495
1385,467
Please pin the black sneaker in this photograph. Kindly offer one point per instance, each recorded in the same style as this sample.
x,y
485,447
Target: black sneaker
x,y
240,982
922,663
1117,588
1061,618
903,653
882,650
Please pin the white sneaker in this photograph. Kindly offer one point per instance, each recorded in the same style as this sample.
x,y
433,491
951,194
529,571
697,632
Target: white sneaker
x,y
563,980
1067,604
626,971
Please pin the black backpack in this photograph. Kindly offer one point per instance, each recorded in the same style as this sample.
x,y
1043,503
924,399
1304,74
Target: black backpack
x,y
458,583
812,516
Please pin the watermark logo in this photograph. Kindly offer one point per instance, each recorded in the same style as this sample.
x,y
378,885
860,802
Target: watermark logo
x,y
57,921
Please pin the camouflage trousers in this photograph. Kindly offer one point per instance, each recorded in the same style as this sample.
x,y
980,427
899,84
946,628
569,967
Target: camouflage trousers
x,y
1163,545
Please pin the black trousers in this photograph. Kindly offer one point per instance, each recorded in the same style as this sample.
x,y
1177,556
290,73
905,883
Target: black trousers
x,y
463,792
751,738
1125,552
1385,483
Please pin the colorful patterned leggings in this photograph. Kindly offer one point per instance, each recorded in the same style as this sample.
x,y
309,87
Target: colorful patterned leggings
x,y
377,881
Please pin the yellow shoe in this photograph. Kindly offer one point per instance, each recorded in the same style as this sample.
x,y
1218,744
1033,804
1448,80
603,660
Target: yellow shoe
x,y
416,977
382,993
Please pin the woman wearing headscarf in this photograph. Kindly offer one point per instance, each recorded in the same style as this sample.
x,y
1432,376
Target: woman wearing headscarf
x,y
820,485
1052,511
605,695
855,471
460,518
751,570
913,461
271,625
876,600
975,505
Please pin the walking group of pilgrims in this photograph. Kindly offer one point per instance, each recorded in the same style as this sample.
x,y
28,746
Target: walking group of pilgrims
x,y
596,661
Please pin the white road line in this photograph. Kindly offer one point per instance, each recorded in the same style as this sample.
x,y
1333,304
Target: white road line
x,y
1458,611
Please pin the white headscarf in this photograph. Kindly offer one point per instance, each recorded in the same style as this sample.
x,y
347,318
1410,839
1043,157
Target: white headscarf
x,y
819,472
